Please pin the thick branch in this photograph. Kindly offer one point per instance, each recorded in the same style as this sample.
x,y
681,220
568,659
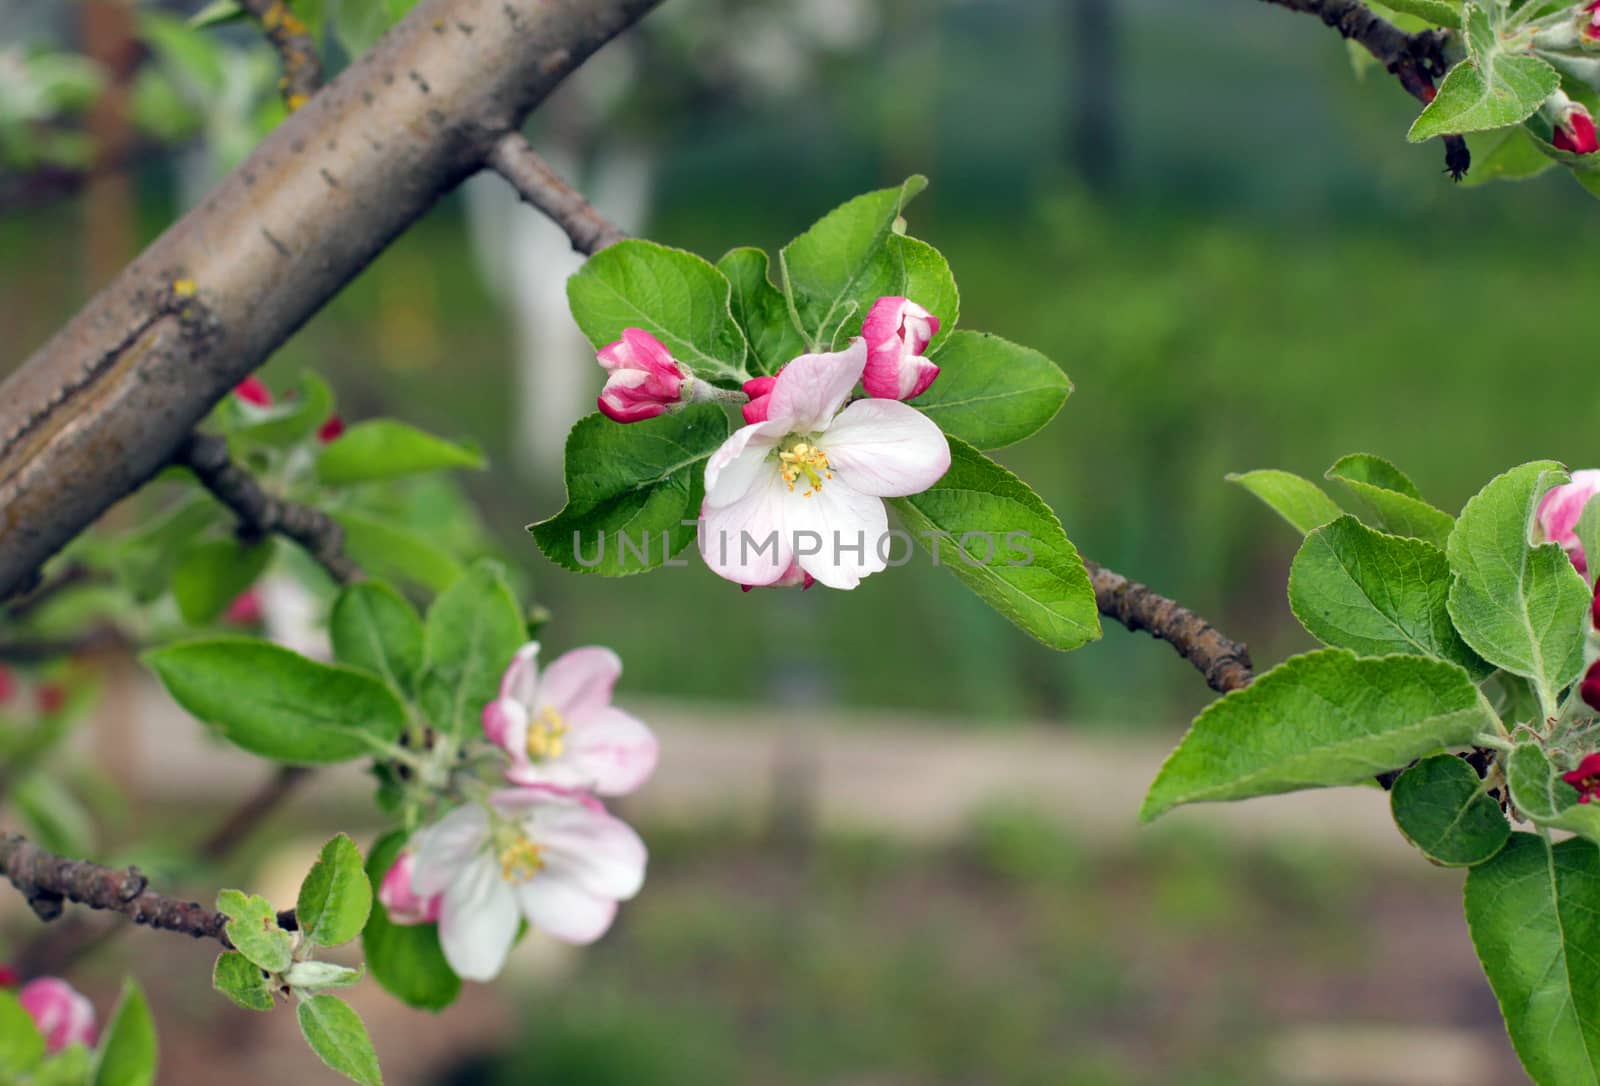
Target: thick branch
x,y
103,405
297,50
514,159
260,513
1224,663
1415,59
47,881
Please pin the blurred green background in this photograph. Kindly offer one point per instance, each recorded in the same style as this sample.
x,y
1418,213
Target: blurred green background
x,y
1222,236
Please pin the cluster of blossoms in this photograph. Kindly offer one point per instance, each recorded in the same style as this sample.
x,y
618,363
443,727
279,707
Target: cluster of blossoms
x,y
62,1014
796,495
545,849
1557,517
254,391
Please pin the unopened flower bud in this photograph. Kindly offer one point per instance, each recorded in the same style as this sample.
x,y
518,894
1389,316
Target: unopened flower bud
x,y
1586,778
897,331
62,1013
331,430
759,389
1560,509
644,379
1589,689
404,905
253,390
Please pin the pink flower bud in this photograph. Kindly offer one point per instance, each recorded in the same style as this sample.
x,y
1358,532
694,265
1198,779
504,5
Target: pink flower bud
x,y
759,389
897,331
8,977
404,905
1576,133
331,430
1586,778
253,390
1560,509
60,1011
644,378
245,610
1589,24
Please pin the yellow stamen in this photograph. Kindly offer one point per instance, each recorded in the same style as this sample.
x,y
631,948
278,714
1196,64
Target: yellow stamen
x,y
520,860
804,459
546,735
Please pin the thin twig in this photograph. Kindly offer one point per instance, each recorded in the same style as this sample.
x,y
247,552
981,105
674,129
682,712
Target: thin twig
x,y
514,159
48,881
297,49
1225,663
1414,59
260,513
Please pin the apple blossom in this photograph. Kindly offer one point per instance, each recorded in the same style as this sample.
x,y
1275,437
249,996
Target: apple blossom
x,y
558,860
63,1014
806,486
1586,778
897,331
331,430
644,379
561,729
245,610
253,390
402,903
1560,509
759,389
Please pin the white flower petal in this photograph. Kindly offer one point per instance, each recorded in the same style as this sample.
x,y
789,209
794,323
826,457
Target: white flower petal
x,y
886,448
578,684
745,541
559,908
850,527
733,468
478,921
505,723
595,850
811,389
446,847
614,752
522,675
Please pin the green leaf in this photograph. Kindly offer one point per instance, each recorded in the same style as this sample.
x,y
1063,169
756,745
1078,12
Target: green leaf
x,y
761,310
1354,588
336,1033
991,392
1296,499
676,296
1493,88
126,1055
405,958
145,558
834,271
1322,719
212,573
55,817
335,897
290,420
311,977
1533,922
1441,806
1520,606
375,629
253,930
1388,500
242,981
474,629
1508,154
926,280
21,1043
71,1066
216,13
276,703
386,548
358,24
1445,13
633,492
386,449
1539,793
1588,531
1006,544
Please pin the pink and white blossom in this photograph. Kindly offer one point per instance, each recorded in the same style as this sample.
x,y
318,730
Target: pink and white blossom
x,y
806,486
560,728
1560,509
897,331
403,904
643,381
759,389
63,1014
559,861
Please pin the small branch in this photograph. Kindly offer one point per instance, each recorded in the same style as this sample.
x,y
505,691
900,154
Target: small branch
x,y
48,881
1224,663
302,69
1415,59
70,576
259,512
514,159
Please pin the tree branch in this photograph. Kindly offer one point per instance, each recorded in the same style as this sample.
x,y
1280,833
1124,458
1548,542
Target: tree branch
x,y
48,881
514,159
260,513
1415,59
103,406
297,50
1225,663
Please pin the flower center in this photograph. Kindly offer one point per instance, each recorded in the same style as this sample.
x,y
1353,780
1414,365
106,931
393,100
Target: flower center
x,y
547,735
520,860
804,460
